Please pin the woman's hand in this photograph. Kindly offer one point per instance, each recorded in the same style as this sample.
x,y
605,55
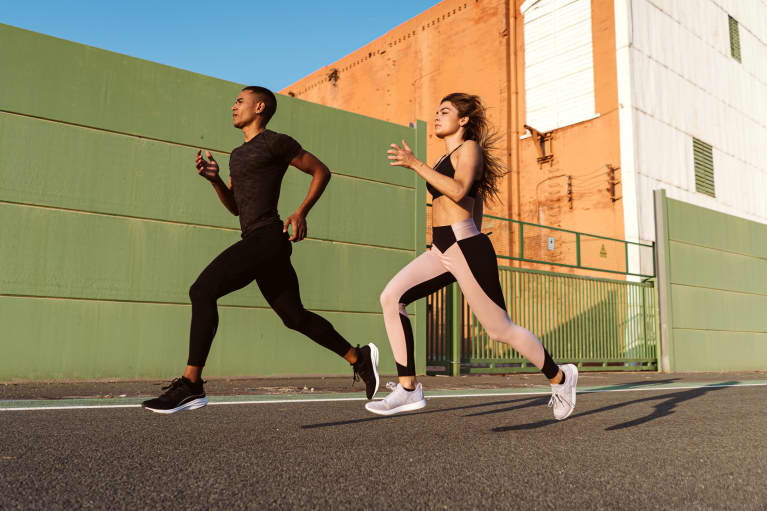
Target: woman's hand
x,y
402,156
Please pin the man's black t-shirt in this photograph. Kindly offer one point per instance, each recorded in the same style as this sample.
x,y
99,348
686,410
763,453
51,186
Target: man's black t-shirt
x,y
256,169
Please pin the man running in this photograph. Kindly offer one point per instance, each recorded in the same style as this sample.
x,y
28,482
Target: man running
x,y
263,254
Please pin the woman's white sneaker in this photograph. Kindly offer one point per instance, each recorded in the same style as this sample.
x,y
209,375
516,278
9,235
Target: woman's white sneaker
x,y
400,400
563,396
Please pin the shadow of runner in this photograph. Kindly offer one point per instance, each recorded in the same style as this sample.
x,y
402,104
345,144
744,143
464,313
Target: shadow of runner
x,y
538,401
666,407
632,385
545,400
424,412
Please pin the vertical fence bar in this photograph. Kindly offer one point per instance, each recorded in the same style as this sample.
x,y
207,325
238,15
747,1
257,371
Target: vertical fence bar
x,y
598,316
549,305
582,318
611,320
619,345
594,316
644,318
606,310
538,304
578,249
622,304
626,249
602,307
559,344
447,307
566,319
587,318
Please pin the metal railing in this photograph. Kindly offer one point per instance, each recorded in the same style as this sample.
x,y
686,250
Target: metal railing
x,y
555,246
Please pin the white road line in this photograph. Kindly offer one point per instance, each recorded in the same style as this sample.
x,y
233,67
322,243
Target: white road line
x,y
321,400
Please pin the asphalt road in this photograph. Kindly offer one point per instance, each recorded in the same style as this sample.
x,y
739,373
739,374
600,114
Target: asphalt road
x,y
700,448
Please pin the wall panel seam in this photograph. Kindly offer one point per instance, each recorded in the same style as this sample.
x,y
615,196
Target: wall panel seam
x,y
721,330
718,289
173,304
114,132
188,224
691,244
180,144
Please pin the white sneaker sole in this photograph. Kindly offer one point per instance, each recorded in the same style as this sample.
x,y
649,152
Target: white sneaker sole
x,y
191,405
404,408
374,358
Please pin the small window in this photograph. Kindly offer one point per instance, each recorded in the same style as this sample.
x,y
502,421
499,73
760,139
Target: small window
x,y
703,155
734,39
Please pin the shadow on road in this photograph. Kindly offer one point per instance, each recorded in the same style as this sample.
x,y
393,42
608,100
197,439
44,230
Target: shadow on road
x,y
530,401
666,406
545,400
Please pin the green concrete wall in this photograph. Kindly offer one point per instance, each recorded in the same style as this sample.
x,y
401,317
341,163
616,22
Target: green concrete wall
x,y
716,281
105,224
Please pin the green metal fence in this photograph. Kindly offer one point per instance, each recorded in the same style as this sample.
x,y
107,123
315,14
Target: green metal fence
x,y
598,324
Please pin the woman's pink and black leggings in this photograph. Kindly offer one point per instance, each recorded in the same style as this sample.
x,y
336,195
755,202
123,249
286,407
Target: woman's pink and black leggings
x,y
459,253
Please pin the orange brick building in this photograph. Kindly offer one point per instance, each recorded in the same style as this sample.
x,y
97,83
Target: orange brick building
x,y
560,173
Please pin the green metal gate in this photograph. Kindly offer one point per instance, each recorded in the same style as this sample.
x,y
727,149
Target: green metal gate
x,y
597,323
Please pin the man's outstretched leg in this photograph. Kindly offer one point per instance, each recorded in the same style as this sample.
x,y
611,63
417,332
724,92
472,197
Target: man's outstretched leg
x,y
233,269
278,283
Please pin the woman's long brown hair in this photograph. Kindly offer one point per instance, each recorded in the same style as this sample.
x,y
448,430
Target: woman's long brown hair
x,y
478,129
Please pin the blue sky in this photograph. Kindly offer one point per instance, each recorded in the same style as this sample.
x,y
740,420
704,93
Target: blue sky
x,y
269,43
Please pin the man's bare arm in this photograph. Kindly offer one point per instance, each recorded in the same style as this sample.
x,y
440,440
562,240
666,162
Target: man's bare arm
x,y
310,164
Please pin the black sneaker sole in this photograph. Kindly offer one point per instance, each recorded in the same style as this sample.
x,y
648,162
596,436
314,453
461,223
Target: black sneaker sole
x,y
189,405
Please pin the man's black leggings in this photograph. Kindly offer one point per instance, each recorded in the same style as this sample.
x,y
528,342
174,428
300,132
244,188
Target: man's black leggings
x,y
263,256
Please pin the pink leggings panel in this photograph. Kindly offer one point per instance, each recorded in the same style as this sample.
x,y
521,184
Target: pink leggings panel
x,y
471,261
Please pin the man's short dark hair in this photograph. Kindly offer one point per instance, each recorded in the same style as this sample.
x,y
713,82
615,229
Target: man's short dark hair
x,y
267,97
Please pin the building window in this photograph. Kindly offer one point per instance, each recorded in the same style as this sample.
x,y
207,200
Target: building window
x,y
703,156
734,39
559,63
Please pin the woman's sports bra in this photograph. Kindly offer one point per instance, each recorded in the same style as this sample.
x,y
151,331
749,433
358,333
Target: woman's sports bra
x,y
445,167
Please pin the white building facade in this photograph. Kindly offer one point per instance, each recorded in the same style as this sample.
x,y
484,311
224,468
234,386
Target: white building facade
x,y
687,70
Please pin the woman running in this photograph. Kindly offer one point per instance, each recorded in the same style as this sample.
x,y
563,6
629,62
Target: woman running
x,y
459,183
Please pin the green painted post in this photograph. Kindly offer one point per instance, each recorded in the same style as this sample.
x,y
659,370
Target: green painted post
x,y
455,329
419,239
663,272
656,326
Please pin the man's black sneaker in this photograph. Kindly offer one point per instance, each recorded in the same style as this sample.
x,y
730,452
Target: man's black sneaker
x,y
366,367
181,394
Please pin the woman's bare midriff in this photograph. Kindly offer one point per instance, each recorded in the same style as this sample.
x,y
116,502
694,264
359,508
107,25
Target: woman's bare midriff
x,y
446,212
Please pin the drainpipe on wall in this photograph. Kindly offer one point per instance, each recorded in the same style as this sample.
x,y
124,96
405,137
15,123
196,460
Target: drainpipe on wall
x,y
512,83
